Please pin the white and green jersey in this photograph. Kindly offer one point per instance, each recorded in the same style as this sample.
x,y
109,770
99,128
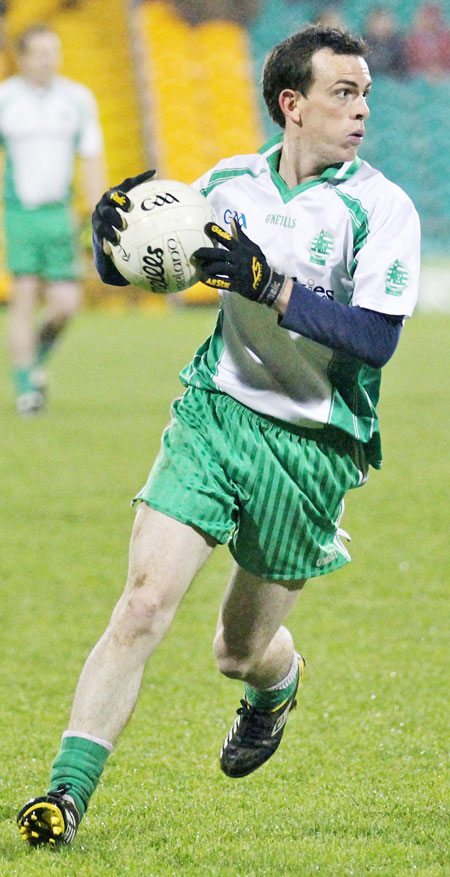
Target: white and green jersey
x,y
352,236
41,129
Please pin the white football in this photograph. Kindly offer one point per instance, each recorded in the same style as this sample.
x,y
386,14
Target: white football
x,y
164,227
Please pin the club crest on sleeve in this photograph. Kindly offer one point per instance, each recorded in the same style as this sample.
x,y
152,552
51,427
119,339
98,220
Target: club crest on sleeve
x,y
397,278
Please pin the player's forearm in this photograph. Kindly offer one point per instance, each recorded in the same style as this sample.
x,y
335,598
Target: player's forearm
x,y
94,179
367,335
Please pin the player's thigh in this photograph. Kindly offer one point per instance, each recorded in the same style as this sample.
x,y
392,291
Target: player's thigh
x,y
24,293
190,480
21,245
58,239
165,556
253,608
292,502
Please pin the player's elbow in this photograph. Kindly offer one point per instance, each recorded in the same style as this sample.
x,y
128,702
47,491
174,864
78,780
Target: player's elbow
x,y
381,341
379,360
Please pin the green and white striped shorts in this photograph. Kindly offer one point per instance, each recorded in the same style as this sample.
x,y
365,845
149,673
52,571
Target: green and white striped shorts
x,y
273,491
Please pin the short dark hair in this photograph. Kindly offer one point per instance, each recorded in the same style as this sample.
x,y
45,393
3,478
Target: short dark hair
x,y
30,32
289,64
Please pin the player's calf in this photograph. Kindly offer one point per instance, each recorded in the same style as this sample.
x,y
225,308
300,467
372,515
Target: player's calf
x,y
257,732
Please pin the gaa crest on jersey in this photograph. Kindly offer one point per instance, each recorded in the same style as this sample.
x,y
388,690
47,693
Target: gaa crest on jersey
x,y
240,218
320,247
397,278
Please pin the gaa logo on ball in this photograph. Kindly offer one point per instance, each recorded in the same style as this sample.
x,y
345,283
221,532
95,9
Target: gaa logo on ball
x,y
164,228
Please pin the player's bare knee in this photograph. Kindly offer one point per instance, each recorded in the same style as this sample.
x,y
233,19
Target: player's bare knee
x,y
65,305
234,668
141,613
73,304
233,662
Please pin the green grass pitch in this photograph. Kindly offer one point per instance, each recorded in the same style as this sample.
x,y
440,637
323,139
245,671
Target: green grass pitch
x,y
359,783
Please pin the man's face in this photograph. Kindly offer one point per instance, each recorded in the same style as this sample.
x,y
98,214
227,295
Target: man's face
x,y
40,60
333,113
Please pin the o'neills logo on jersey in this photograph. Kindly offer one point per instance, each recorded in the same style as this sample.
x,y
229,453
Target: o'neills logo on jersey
x,y
280,219
397,278
332,555
321,246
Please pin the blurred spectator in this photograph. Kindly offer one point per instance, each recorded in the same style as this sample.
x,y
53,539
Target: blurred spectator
x,y
226,10
44,120
386,44
428,44
316,7
330,17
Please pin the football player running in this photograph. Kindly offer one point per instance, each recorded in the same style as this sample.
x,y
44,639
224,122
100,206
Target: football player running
x,y
278,420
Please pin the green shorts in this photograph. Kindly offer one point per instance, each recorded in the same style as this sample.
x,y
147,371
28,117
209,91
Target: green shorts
x,y
42,241
273,492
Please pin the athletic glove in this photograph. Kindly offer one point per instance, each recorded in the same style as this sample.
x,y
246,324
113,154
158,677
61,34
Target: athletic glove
x,y
106,223
240,267
106,219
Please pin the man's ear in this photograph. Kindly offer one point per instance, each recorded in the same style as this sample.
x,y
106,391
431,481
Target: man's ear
x,y
290,103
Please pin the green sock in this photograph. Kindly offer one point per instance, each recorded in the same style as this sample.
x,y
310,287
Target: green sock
x,y
271,698
78,766
22,380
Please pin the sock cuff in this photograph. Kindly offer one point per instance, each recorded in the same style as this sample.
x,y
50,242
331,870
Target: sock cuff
x,y
89,737
289,678
271,698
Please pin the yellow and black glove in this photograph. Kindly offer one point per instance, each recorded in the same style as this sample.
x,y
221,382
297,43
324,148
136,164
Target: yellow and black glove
x,y
240,267
106,220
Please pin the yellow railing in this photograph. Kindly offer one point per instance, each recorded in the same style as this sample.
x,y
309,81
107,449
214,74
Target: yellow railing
x,y
21,14
202,105
97,52
197,101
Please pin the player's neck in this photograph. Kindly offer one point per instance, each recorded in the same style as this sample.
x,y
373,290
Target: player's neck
x,y
39,82
298,164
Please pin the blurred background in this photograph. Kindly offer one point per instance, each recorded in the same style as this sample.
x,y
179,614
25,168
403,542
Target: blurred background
x,y
177,85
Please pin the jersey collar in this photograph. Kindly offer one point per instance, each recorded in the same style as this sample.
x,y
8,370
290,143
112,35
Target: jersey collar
x,y
335,173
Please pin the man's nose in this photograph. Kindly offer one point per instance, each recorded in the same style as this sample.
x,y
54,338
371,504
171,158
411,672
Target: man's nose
x,y
361,108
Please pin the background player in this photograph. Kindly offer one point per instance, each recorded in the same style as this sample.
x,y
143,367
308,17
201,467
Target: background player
x,y
278,419
45,119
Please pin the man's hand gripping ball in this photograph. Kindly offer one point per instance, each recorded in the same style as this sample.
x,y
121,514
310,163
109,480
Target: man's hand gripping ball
x,y
240,267
106,219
